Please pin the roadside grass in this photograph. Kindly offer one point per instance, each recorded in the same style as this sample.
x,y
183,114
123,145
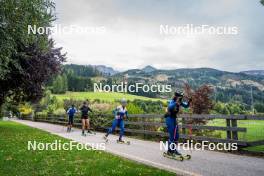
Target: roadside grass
x,y
16,159
104,96
255,131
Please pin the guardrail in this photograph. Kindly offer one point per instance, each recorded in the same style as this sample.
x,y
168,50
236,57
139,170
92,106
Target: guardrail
x,y
147,124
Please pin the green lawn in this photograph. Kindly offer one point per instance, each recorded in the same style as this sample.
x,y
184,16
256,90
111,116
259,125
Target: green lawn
x,y
106,96
17,160
255,131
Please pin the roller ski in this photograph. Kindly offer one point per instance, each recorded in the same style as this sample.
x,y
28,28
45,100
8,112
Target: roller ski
x,y
176,156
186,156
123,142
173,156
69,130
105,139
83,134
89,132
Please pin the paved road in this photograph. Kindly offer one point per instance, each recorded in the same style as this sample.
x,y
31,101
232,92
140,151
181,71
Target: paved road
x,y
202,162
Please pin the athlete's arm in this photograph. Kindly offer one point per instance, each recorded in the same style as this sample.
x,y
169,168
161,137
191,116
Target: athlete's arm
x,y
185,104
89,109
171,105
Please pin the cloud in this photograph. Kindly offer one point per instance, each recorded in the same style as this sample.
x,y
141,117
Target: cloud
x,y
132,38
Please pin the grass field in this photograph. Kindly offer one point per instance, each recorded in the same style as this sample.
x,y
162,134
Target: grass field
x,y
17,160
105,96
255,131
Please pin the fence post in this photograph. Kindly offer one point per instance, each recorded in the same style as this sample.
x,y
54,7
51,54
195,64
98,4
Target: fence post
x,y
144,127
234,133
228,132
183,126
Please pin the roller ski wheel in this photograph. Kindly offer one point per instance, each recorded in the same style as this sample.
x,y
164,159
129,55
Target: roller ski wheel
x,y
173,156
123,142
187,157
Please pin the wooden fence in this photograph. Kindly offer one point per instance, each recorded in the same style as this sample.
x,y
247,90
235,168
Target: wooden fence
x,y
147,124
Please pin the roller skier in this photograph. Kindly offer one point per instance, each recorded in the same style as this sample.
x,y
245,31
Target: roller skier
x,y
120,113
173,108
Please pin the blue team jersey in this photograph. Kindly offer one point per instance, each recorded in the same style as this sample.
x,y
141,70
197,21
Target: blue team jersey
x,y
71,111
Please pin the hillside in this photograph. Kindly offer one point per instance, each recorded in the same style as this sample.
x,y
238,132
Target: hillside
x,y
104,70
228,86
104,96
254,72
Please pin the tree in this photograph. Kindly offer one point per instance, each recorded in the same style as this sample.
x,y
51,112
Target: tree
x,y
259,107
57,86
262,2
27,60
60,84
201,101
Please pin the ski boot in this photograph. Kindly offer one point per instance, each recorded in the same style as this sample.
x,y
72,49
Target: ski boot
x,y
120,141
173,155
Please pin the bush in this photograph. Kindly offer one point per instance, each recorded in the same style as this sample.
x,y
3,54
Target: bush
x,y
104,108
69,102
149,106
59,112
25,110
134,109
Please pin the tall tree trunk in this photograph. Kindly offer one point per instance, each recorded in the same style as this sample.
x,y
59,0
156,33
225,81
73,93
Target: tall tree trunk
x,y
1,103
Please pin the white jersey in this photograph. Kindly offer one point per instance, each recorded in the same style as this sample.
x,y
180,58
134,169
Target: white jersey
x,y
120,112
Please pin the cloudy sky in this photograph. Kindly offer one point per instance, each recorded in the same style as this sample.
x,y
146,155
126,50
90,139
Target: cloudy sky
x,y
131,35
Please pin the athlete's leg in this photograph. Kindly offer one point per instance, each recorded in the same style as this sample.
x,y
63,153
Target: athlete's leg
x,y
88,124
122,129
83,125
111,129
170,122
70,122
176,137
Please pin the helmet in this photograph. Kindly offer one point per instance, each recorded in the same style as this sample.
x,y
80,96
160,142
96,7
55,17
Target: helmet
x,y
178,93
123,101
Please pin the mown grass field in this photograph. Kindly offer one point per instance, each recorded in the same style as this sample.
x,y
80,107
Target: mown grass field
x,y
255,131
16,159
104,96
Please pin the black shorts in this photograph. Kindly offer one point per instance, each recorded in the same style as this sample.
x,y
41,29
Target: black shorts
x,y
70,121
84,117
